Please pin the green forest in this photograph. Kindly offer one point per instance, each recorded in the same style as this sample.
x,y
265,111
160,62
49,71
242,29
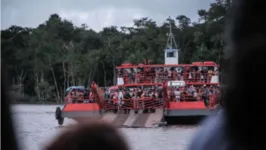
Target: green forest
x,y
42,62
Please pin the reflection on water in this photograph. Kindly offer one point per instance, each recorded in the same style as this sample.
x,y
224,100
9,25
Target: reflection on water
x,y
35,126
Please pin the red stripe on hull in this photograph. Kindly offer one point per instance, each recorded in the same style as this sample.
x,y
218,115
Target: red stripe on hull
x,y
81,107
186,105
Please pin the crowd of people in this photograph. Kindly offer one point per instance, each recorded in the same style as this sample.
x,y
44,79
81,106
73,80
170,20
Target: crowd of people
x,y
201,75
207,94
136,97
134,93
79,96
157,75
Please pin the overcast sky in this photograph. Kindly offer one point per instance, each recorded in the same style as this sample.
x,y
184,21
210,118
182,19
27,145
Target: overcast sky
x,y
96,13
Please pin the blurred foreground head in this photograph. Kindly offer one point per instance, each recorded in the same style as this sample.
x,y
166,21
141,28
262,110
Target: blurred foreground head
x,y
244,96
95,135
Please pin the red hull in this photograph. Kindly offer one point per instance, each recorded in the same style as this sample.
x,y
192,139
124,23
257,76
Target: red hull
x,y
81,107
186,105
84,112
81,112
186,109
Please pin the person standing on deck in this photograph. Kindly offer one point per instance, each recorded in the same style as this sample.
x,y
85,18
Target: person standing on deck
x,y
138,76
205,95
157,75
120,98
177,94
86,96
210,74
191,89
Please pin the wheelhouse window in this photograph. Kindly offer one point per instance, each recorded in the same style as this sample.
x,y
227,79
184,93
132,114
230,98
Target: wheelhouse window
x,y
171,54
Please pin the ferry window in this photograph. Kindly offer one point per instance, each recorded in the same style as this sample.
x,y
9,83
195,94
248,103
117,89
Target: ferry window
x,y
171,54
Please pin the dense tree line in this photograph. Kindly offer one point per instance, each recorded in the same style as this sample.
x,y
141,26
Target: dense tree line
x,y
42,62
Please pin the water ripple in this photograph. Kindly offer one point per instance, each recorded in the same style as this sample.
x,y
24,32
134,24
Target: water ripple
x,y
35,126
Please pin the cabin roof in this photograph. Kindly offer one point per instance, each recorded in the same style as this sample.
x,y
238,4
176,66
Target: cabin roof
x,y
165,65
141,84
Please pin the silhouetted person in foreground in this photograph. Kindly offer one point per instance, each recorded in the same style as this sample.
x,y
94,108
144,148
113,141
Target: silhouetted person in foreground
x,y
95,135
7,126
241,125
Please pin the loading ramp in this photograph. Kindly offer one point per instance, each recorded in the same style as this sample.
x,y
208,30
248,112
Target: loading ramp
x,y
132,120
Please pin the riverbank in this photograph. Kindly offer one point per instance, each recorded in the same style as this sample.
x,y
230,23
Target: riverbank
x,y
16,98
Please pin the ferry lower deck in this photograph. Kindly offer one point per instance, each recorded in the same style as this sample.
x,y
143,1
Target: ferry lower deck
x,y
178,114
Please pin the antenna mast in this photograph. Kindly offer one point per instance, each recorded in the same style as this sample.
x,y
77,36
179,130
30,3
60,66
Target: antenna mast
x,y
171,44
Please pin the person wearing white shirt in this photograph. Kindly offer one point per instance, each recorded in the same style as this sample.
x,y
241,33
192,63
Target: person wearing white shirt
x,y
120,98
177,95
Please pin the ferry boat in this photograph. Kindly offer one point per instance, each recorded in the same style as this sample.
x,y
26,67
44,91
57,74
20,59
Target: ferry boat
x,y
169,90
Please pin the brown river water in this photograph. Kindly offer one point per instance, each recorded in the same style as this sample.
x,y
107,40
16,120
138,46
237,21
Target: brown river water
x,y
36,125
